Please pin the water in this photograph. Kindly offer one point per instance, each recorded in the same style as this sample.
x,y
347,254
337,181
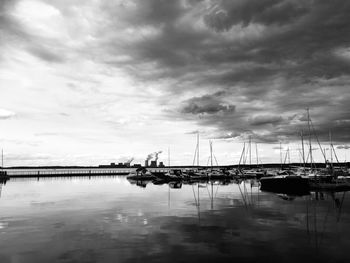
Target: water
x,y
108,219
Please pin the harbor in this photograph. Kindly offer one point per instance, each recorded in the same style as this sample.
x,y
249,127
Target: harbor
x,y
174,131
291,180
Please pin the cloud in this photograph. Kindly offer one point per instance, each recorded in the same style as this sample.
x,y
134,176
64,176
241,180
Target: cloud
x,y
6,114
240,67
206,104
265,119
24,157
46,54
224,13
229,135
345,147
192,132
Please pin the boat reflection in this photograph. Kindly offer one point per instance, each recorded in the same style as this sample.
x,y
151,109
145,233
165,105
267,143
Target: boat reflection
x,y
323,214
140,183
175,185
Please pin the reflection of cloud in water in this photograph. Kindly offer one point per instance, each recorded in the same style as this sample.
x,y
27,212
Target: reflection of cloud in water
x,y
108,223
3,225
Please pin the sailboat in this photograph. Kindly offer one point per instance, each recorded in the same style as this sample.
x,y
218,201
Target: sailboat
x,y
287,181
196,174
216,174
253,172
140,174
327,179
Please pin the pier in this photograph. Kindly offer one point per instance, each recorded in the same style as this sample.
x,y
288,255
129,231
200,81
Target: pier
x,y
66,172
70,172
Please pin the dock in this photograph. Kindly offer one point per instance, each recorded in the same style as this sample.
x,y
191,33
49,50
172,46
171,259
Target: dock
x,y
66,172
71,172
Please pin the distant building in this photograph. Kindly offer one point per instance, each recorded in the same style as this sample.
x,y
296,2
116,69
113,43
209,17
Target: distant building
x,y
153,164
161,164
113,165
146,163
137,165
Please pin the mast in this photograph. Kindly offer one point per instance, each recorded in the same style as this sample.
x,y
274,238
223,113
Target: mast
x,y
257,158
281,155
288,156
212,196
245,153
198,148
250,151
2,159
302,146
196,152
168,156
331,148
308,122
211,154
242,155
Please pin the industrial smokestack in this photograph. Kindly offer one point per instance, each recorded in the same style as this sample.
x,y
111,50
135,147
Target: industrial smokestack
x,y
149,157
156,156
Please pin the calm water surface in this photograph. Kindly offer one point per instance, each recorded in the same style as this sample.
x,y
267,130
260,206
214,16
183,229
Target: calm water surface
x,y
108,219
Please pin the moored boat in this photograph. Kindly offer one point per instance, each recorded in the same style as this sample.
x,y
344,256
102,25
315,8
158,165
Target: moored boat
x,y
335,185
141,174
287,183
171,175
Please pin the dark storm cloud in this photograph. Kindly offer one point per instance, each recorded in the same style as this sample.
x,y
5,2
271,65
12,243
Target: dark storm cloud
x,y
265,119
226,13
207,104
180,44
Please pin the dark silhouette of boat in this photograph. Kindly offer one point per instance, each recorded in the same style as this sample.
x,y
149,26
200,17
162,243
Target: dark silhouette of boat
x,y
171,175
141,174
285,182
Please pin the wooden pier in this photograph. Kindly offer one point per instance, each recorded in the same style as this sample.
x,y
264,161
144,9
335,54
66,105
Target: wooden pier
x,y
20,173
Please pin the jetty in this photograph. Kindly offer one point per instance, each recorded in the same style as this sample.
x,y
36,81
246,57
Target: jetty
x,y
65,172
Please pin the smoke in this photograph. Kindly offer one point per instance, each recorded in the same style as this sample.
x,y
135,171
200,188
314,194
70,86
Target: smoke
x,y
156,154
149,157
130,160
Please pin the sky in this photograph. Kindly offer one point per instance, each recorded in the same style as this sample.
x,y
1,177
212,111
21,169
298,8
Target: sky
x,y
88,82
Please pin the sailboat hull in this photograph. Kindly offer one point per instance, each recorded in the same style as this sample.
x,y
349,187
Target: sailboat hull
x,y
288,184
